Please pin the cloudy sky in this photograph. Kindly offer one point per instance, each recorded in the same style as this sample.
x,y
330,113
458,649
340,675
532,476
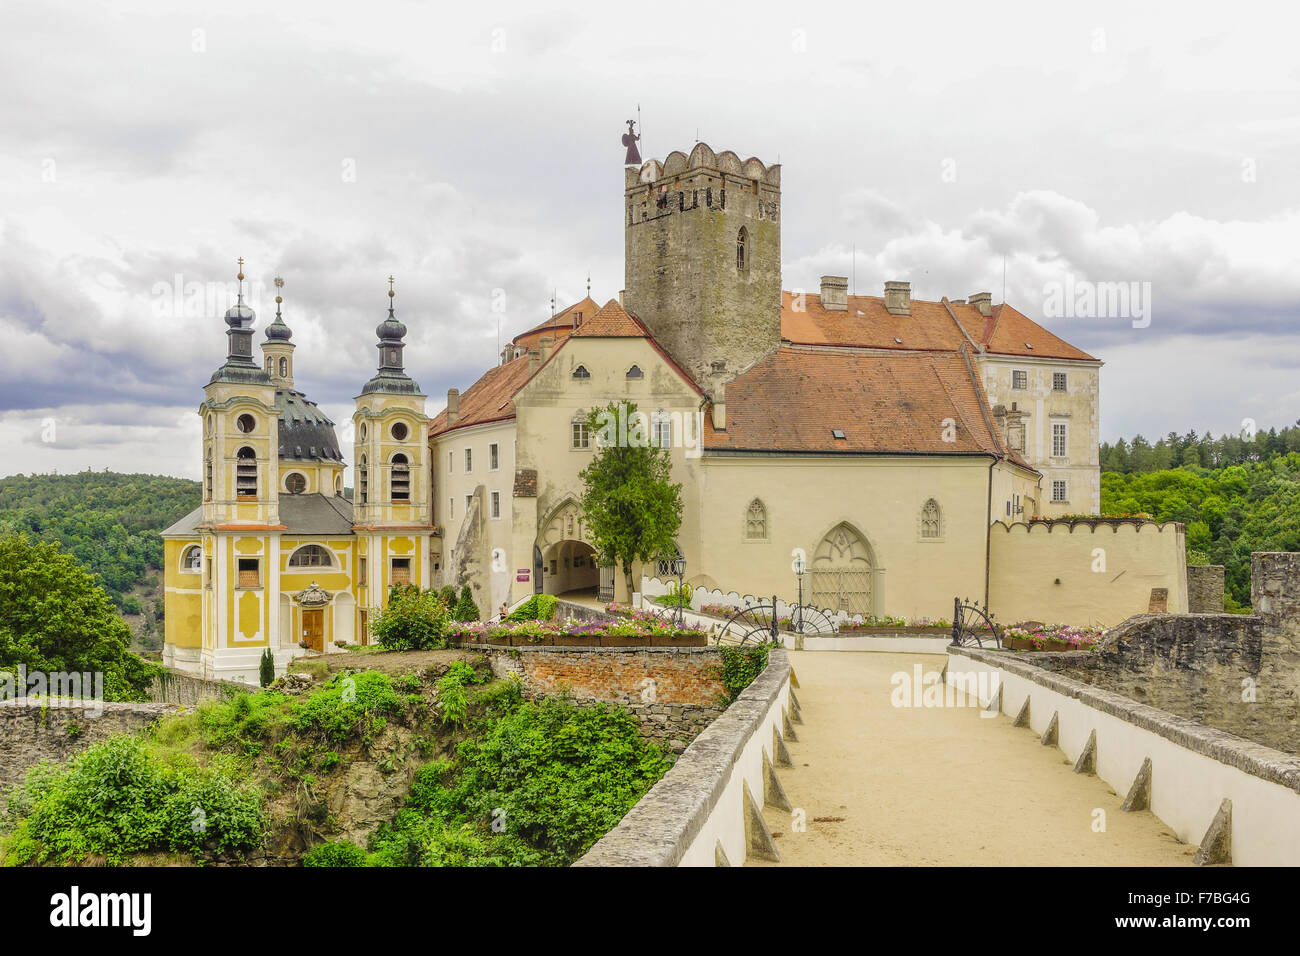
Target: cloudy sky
x,y
470,148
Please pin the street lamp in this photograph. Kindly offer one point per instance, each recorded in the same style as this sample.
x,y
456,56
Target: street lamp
x,y
679,569
800,566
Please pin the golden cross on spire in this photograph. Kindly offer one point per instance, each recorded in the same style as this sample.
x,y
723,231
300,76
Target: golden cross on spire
x,y
241,269
391,293
279,284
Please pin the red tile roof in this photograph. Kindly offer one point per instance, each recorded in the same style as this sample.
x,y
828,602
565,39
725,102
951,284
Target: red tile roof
x,y
930,326
557,326
612,321
487,400
791,401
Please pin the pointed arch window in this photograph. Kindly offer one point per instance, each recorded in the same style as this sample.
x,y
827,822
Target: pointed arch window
x,y
401,478
246,473
742,249
930,519
756,521
363,479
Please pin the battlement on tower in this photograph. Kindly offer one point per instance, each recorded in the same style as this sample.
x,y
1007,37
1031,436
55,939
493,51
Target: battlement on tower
x,y
703,159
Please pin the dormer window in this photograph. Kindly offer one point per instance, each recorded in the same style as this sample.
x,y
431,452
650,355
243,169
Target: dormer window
x,y
581,372
837,434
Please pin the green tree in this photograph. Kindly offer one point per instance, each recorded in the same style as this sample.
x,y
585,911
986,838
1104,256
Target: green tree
x,y
466,609
54,617
632,507
266,670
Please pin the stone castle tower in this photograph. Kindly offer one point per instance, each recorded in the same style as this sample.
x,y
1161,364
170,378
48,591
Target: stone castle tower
x,y
702,258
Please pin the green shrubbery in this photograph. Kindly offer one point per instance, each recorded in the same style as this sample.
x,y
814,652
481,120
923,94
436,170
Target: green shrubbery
x,y
413,621
740,665
118,798
539,607
466,609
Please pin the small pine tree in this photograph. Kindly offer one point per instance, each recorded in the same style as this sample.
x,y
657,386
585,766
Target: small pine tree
x,y
466,609
266,671
448,595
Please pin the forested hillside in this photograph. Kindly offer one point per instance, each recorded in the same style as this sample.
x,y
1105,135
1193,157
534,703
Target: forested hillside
x,y
1139,456
110,523
1229,512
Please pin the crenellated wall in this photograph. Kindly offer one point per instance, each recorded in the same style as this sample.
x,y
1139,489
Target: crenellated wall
x,y
1086,571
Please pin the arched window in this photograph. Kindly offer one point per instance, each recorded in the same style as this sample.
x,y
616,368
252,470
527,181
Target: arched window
x,y
930,519
756,521
284,368
246,473
635,372
311,556
363,479
207,475
401,478
192,559
742,249
581,372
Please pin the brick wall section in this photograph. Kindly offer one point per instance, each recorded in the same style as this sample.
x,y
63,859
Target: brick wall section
x,y
670,690
1238,673
30,732
1205,588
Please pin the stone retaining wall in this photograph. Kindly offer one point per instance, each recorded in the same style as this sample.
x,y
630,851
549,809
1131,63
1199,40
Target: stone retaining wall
x,y
32,729
1205,588
176,687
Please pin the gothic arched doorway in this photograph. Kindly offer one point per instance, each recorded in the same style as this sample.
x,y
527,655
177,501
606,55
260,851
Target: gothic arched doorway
x,y
840,570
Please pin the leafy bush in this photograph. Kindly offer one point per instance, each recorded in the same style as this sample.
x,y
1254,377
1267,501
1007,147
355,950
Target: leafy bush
x,y
539,607
537,785
447,594
453,701
349,705
413,621
740,665
335,853
116,799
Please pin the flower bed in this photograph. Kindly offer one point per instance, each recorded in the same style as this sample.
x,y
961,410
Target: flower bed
x,y
1053,637
626,632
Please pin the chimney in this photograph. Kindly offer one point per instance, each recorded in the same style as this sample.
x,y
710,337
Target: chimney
x,y
534,360
453,406
719,408
621,293
544,346
835,293
898,298
983,301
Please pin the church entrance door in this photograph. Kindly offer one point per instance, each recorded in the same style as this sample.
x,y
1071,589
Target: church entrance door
x,y
840,572
313,629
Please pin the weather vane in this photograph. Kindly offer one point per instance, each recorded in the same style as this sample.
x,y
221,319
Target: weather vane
x,y
629,140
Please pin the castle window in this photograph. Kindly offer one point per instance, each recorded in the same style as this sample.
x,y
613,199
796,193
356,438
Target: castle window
x,y
192,559
742,249
581,436
1059,492
311,556
363,480
245,423
635,372
246,473
756,521
1058,381
661,430
496,504
581,372
469,460
494,456
1059,443
295,483
207,476
284,368
399,431
401,479
1019,379
930,519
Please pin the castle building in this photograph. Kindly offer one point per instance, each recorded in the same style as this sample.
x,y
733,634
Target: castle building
x,y
902,447
276,556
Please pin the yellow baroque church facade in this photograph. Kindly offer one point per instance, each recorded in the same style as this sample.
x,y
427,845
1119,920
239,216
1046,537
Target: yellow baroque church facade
x,y
276,556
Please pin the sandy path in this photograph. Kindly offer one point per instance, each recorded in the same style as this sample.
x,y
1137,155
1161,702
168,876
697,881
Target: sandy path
x,y
939,786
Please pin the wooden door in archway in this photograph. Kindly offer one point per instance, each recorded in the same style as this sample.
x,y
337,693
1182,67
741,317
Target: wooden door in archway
x,y
313,629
